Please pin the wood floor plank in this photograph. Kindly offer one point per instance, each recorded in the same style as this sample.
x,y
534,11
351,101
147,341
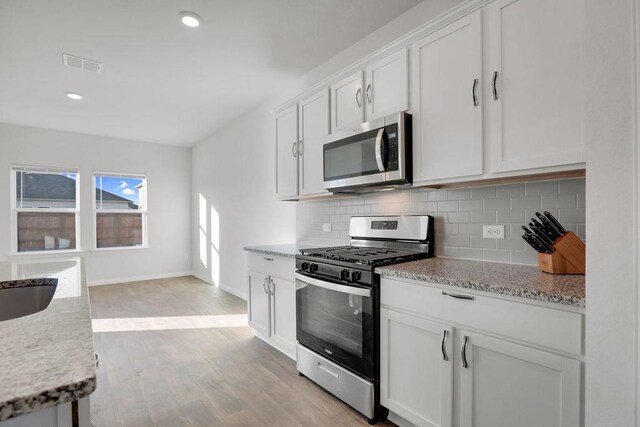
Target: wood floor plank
x,y
195,376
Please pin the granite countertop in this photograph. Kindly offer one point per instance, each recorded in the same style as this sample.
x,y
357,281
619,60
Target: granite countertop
x,y
46,358
286,250
507,279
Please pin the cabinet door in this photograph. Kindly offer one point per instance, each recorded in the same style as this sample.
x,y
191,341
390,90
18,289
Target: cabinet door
x,y
536,58
283,314
506,385
347,107
258,301
447,105
387,86
416,368
313,118
287,152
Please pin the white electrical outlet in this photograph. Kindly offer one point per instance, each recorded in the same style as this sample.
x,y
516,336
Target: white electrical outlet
x,y
493,231
326,228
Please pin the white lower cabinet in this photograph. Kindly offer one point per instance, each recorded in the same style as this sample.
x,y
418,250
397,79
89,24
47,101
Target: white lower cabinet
x,y
416,368
450,367
272,300
506,384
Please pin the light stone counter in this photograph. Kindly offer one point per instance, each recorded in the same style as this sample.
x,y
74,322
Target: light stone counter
x,y
46,358
507,279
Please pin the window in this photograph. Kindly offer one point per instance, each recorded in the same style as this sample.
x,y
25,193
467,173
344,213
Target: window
x,y
45,209
120,210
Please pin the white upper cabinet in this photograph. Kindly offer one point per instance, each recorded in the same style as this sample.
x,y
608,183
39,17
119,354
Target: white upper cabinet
x,y
381,89
447,101
287,153
535,79
313,118
503,384
347,102
387,86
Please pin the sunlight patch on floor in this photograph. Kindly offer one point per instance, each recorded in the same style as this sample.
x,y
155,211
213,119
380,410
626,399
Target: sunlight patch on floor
x,y
131,324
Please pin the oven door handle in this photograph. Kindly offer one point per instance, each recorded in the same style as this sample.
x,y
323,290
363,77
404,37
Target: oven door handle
x,y
351,290
380,155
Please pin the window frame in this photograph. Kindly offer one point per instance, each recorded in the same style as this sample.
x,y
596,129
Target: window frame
x,y
15,209
144,211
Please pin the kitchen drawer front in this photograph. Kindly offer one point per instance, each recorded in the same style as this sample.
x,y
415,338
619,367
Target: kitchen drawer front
x,y
547,327
272,265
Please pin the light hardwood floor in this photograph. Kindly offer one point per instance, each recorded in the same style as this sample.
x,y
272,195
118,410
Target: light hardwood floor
x,y
204,374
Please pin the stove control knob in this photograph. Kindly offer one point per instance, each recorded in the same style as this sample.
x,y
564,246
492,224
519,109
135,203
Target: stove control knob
x,y
313,268
344,274
355,276
304,266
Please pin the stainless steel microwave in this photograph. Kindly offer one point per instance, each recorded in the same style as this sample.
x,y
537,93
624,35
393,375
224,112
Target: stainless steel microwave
x,y
377,153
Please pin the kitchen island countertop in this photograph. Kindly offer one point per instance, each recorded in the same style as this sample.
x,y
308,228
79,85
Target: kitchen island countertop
x,y
46,358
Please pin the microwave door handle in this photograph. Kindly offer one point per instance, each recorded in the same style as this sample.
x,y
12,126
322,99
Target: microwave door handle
x,y
351,290
379,153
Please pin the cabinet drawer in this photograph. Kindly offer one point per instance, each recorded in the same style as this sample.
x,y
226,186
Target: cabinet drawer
x,y
547,327
272,265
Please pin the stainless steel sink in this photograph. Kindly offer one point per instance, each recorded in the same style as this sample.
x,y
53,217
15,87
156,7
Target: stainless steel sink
x,y
25,300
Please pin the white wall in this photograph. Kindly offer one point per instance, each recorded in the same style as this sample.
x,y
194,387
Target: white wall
x,y
233,170
611,319
234,202
169,179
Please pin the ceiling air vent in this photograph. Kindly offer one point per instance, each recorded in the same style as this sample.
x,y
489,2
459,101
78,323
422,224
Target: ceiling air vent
x,y
81,63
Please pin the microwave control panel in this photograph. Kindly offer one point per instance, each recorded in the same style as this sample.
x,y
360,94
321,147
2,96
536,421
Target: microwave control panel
x,y
392,134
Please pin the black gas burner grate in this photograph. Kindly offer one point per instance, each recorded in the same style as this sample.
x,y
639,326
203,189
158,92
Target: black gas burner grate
x,y
360,255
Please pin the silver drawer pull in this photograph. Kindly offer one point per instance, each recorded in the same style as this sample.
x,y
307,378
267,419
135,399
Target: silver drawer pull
x,y
328,371
268,259
463,353
459,296
445,334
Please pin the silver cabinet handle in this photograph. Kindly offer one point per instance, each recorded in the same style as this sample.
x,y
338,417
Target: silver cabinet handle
x,y
368,92
300,148
443,345
268,259
293,148
473,92
494,85
358,93
328,371
378,148
463,353
458,296
271,287
264,285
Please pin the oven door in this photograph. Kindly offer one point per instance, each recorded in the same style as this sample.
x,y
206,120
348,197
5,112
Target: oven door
x,y
336,320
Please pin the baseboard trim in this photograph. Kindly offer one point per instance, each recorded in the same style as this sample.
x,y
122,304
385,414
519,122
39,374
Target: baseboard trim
x,y
229,289
137,278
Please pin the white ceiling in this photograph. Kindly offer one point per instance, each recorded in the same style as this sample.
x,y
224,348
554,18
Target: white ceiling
x,y
161,81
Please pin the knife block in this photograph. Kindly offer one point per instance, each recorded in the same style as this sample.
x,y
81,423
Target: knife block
x,y
568,258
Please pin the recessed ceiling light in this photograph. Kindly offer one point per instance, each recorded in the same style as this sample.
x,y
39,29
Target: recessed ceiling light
x,y
74,96
189,19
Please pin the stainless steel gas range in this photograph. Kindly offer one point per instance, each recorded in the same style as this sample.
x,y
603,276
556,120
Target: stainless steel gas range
x,y
338,305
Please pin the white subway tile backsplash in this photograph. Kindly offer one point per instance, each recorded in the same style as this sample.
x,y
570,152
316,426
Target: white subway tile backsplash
x,y
532,202
459,215
559,202
448,206
471,205
495,204
513,190
485,217
542,188
483,192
